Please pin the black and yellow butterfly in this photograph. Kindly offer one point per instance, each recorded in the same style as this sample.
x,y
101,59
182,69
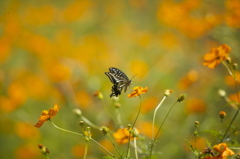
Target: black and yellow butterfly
x,y
119,79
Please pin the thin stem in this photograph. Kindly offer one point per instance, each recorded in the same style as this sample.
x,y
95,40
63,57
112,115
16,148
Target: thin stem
x,y
155,111
114,144
107,110
228,68
82,136
238,96
135,147
195,141
66,130
118,118
89,122
130,132
102,147
233,105
154,140
86,150
139,110
235,116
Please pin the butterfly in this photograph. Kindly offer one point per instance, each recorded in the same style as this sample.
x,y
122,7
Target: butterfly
x,y
119,79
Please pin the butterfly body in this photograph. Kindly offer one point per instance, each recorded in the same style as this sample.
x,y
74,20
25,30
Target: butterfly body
x,y
119,79
115,90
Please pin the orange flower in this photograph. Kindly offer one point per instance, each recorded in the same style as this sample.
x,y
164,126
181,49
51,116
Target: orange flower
x,y
47,115
122,136
216,55
222,152
137,91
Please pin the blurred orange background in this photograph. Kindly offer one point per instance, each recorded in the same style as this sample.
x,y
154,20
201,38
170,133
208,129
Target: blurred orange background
x,y
56,52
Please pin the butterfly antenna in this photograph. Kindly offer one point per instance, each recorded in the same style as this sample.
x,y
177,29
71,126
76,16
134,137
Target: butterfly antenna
x,y
133,76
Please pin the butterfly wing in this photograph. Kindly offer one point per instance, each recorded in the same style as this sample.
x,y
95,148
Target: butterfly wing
x,y
118,73
111,77
115,78
119,79
125,85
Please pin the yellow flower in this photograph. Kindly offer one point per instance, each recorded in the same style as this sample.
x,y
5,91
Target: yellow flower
x,y
223,151
137,91
122,136
47,115
216,56
87,133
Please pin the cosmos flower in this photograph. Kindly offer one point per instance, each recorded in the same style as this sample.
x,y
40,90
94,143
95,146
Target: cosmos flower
x,y
138,91
47,115
216,56
122,136
223,151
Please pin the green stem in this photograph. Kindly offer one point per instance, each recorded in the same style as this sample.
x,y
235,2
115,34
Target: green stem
x,y
154,140
155,111
66,130
107,110
135,147
114,145
235,116
86,150
137,113
47,156
130,132
89,122
82,136
195,135
102,147
118,118
228,68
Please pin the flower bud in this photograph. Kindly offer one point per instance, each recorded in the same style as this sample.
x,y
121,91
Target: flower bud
x,y
221,92
77,111
222,114
98,94
87,133
104,130
228,60
168,92
43,149
81,123
129,126
135,133
196,123
181,98
235,66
